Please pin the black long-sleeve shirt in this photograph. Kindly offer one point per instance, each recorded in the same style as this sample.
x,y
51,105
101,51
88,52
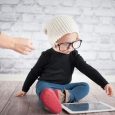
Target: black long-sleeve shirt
x,y
56,67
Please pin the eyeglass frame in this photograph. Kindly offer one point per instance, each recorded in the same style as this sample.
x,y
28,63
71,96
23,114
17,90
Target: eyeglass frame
x,y
70,44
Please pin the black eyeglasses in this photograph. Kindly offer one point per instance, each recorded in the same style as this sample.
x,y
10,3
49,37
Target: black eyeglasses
x,y
65,46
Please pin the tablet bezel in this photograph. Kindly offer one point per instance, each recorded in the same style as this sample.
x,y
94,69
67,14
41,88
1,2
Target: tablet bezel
x,y
91,111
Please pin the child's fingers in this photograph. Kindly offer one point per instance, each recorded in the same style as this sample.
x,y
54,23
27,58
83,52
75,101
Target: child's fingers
x,y
110,91
20,94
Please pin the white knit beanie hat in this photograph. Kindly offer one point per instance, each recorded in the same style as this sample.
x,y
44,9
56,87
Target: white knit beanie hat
x,y
58,27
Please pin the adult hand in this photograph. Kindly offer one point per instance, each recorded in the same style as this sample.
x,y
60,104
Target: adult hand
x,y
22,45
18,44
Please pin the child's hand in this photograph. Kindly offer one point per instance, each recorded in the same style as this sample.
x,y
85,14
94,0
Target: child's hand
x,y
109,90
20,94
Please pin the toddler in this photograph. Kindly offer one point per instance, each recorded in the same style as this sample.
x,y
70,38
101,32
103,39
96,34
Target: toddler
x,y
55,67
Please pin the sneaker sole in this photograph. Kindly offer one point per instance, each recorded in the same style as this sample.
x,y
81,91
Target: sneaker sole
x,y
51,101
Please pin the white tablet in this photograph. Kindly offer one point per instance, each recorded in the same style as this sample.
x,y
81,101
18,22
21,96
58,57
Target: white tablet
x,y
87,107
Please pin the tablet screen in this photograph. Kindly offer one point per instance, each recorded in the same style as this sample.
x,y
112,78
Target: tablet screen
x,y
87,107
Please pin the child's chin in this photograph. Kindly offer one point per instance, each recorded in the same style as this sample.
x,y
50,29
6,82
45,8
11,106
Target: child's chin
x,y
66,52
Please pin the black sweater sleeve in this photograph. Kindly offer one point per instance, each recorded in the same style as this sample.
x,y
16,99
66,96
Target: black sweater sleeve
x,y
35,72
88,70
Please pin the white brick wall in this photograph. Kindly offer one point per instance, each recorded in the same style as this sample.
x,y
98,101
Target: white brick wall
x,y
96,20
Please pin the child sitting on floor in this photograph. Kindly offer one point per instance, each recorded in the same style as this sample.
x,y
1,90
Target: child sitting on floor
x,y
55,67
